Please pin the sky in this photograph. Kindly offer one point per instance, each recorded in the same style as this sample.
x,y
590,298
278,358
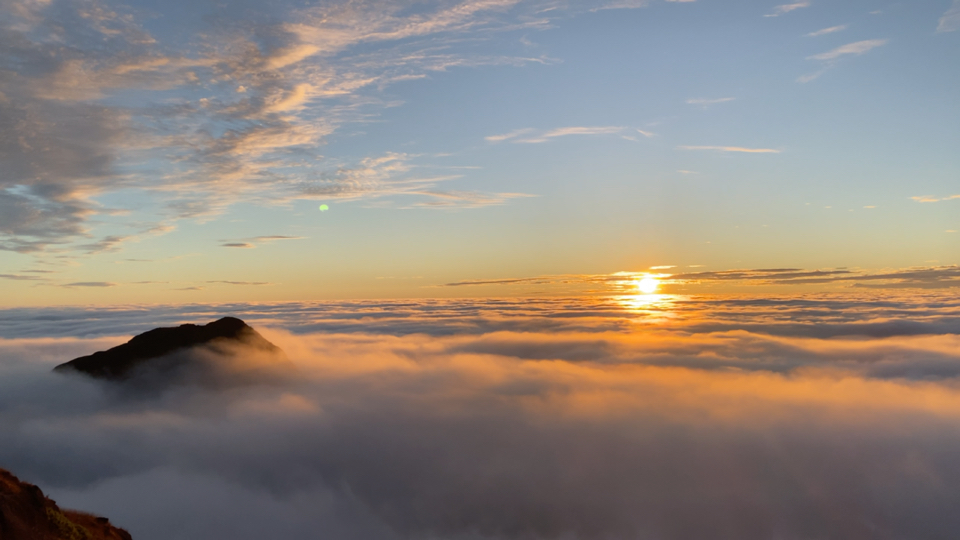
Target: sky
x,y
447,213
197,152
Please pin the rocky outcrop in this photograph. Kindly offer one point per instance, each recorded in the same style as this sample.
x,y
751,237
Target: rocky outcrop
x,y
27,514
211,351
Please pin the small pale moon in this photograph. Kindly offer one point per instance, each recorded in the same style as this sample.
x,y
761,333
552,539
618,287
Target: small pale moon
x,y
648,285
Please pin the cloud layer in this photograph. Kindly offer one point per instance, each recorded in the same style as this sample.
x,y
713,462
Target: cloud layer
x,y
733,419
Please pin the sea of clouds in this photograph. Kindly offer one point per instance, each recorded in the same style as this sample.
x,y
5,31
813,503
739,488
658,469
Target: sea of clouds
x,y
743,418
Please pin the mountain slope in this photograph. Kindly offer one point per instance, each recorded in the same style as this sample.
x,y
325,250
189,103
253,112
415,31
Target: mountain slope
x,y
26,514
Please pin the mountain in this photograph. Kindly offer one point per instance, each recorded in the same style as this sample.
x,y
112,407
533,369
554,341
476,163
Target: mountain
x,y
26,514
226,348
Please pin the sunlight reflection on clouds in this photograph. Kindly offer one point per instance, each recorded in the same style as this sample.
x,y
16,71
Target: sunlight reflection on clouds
x,y
686,417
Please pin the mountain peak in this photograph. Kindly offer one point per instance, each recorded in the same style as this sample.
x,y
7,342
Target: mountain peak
x,y
228,336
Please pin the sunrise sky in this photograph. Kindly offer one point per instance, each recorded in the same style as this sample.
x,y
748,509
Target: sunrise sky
x,y
180,151
536,269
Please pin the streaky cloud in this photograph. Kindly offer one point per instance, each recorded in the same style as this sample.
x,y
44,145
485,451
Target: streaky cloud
x,y
829,30
739,149
783,9
932,199
709,101
534,136
857,48
950,21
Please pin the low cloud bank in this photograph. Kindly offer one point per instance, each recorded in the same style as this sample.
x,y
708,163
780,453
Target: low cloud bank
x,y
571,431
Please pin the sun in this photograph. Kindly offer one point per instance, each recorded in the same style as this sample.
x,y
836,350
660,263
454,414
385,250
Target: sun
x,y
648,285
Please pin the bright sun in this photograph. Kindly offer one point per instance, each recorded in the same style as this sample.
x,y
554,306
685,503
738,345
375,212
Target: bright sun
x,y
648,285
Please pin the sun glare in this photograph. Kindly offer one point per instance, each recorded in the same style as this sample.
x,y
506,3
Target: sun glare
x,y
648,285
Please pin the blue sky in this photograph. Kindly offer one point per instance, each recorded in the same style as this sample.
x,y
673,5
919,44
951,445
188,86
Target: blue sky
x,y
179,151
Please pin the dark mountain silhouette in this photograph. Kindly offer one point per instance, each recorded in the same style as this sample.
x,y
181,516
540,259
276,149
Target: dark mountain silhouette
x,y
26,514
224,347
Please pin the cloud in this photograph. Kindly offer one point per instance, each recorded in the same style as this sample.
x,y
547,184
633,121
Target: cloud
x,y
394,176
709,101
811,76
554,418
732,149
950,21
911,278
932,199
830,30
858,48
110,243
243,283
19,277
787,8
831,58
275,237
94,284
508,136
533,136
249,243
940,277
227,117
463,199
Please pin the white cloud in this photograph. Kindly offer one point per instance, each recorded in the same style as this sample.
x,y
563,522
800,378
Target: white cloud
x,y
733,149
294,79
508,136
950,21
546,418
810,76
533,136
858,48
393,176
932,199
709,101
787,8
830,30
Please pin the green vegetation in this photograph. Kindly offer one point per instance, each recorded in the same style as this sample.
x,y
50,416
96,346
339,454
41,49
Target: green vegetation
x,y
68,529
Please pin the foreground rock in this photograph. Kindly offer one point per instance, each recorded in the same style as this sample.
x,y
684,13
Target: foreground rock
x,y
226,350
26,514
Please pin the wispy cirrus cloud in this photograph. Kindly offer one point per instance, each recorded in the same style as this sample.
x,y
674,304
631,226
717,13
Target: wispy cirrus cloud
x,y
830,30
224,118
856,49
830,58
736,149
783,9
709,101
252,242
392,180
950,21
534,136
